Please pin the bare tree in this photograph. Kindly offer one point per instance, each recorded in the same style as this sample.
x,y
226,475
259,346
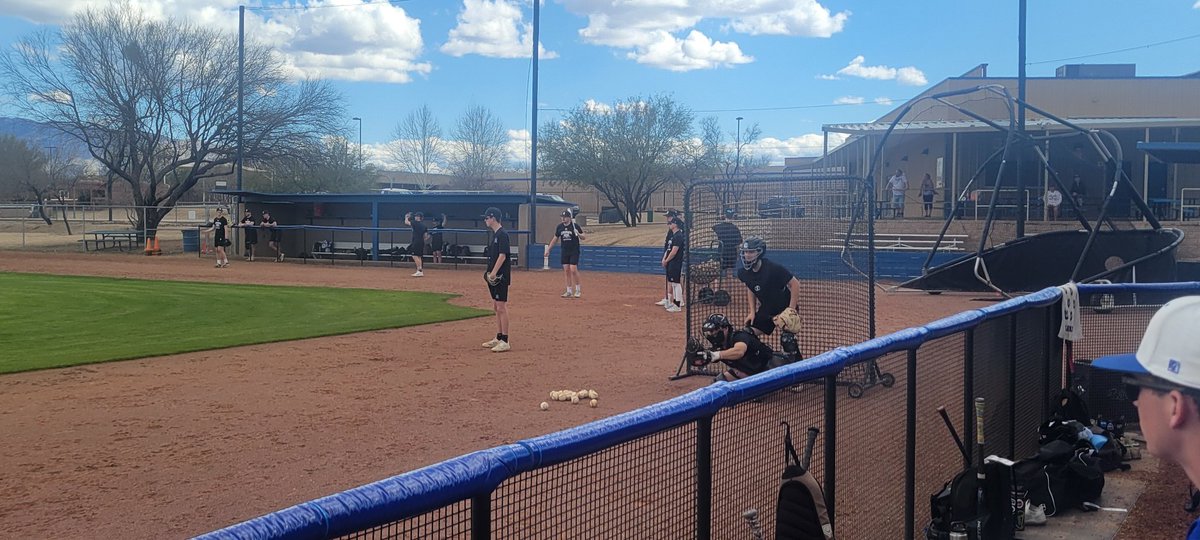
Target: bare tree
x,y
64,173
626,152
23,172
155,101
418,144
329,165
477,152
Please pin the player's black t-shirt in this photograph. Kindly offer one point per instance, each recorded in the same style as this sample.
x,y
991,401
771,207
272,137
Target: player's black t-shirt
x,y
757,356
568,234
769,284
676,240
730,237
435,235
251,231
219,225
418,232
500,245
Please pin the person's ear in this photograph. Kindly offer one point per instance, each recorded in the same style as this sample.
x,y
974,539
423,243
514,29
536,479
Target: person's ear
x,y
1183,409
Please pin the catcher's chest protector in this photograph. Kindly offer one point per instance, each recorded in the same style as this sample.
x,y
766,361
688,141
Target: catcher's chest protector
x,y
800,512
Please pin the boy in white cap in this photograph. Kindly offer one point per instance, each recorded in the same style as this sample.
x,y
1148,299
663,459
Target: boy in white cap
x,y
1163,379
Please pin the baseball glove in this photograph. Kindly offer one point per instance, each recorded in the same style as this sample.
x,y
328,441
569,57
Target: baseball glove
x,y
788,321
491,280
705,272
701,358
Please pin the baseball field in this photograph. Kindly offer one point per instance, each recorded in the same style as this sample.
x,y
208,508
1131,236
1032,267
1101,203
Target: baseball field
x,y
172,445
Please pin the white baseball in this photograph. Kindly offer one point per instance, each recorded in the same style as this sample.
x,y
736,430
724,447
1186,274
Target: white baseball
x,y
554,395
582,393
545,406
592,394
593,403
575,399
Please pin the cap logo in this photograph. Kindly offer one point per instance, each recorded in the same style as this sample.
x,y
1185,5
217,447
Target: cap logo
x,y
1173,366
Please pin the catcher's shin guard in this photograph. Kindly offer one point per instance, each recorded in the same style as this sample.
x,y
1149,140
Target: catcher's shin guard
x,y
787,340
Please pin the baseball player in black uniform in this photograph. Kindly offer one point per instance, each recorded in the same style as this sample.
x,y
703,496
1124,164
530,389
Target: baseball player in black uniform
x,y
741,350
219,226
730,237
672,262
435,238
666,299
250,233
569,233
276,235
417,248
771,289
498,277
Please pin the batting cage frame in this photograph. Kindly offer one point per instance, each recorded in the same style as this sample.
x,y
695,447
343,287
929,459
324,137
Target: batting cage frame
x,y
818,226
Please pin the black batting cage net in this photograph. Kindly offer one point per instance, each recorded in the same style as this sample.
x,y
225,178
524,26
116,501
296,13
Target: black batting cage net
x,y
818,227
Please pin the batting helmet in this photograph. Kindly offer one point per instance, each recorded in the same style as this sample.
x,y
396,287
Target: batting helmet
x,y
755,247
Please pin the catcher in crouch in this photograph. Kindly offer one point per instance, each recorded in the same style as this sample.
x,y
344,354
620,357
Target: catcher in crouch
x,y
772,293
741,350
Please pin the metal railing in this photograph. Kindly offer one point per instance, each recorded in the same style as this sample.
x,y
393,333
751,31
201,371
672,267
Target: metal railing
x,y
1189,203
689,466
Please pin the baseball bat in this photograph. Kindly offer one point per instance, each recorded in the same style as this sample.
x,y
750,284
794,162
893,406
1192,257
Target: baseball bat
x,y
751,517
808,446
546,262
980,475
954,433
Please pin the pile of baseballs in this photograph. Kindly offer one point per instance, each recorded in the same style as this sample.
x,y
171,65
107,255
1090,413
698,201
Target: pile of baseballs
x,y
574,396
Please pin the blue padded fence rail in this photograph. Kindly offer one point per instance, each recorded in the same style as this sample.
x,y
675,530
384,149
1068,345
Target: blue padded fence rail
x,y
458,479
804,264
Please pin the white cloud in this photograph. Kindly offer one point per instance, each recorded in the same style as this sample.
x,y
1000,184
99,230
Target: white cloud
x,y
519,145
369,42
516,151
493,28
592,105
907,75
651,29
828,77
849,100
883,100
1196,5
808,145
696,51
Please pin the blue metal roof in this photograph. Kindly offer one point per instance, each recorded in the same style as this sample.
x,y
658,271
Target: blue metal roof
x,y
1172,152
399,196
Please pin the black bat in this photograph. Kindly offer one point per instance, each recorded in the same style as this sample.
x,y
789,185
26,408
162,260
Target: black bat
x,y
954,433
808,446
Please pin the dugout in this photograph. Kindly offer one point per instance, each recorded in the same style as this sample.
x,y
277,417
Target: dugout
x,y
380,217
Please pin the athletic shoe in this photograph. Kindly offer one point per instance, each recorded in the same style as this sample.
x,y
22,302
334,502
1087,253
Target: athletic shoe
x,y
281,257
674,309
566,294
578,294
492,343
1035,515
501,347
664,302
218,265
418,273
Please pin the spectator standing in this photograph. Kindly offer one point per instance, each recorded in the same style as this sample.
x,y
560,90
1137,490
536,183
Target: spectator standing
x,y
671,214
1054,200
927,194
275,234
672,263
498,277
1078,193
436,242
898,183
416,249
219,228
250,234
729,237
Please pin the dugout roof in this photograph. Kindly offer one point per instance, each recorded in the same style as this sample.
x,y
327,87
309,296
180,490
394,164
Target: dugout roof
x,y
1172,152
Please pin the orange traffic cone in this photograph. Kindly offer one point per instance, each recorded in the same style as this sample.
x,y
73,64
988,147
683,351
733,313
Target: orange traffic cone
x,y
157,251
149,250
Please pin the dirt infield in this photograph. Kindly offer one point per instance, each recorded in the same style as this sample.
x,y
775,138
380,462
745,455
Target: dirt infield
x,y
179,445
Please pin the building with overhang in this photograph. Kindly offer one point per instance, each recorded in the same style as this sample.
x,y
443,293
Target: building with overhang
x,y
951,146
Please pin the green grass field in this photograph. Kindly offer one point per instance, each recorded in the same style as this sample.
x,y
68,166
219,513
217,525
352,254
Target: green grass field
x,y
58,321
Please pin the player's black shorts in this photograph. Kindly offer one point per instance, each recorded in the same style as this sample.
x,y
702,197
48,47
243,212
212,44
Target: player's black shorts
x,y
499,292
435,245
221,241
763,321
251,240
416,249
276,236
570,257
674,272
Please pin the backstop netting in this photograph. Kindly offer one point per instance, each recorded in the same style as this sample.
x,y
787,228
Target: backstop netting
x,y
818,227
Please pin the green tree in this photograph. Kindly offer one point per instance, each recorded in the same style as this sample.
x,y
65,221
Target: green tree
x,y
627,152
24,173
155,102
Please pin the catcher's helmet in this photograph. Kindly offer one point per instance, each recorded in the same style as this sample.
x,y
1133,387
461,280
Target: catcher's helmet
x,y
752,251
715,329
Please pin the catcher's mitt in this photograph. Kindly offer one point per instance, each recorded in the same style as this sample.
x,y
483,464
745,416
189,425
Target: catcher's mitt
x,y
705,272
490,279
788,321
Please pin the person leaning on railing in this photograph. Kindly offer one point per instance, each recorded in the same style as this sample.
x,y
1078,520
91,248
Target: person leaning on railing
x,y
1163,380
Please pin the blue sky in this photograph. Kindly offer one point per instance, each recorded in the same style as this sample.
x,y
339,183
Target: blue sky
x,y
789,65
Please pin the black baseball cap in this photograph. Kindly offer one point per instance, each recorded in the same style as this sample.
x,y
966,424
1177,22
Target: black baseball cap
x,y
729,212
567,213
418,214
493,212
672,212
678,222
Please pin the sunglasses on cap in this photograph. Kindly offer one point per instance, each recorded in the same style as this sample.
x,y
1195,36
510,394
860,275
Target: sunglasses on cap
x,y
1133,388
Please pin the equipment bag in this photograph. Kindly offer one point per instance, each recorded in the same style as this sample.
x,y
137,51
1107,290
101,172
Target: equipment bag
x,y
800,512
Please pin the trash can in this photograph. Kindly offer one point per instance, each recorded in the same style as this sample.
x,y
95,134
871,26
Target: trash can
x,y
191,240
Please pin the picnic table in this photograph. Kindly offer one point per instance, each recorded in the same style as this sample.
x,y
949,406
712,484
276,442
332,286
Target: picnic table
x,y
119,239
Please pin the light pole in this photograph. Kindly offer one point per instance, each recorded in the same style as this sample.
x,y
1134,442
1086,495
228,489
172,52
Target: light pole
x,y
360,157
738,165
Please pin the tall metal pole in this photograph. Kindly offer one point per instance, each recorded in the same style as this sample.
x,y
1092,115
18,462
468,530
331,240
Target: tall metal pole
x,y
1021,120
537,26
241,75
360,153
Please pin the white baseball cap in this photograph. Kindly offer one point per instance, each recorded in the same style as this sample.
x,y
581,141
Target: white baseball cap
x,y
1170,349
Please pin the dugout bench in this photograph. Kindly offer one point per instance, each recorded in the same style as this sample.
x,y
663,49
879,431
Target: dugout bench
x,y
111,239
